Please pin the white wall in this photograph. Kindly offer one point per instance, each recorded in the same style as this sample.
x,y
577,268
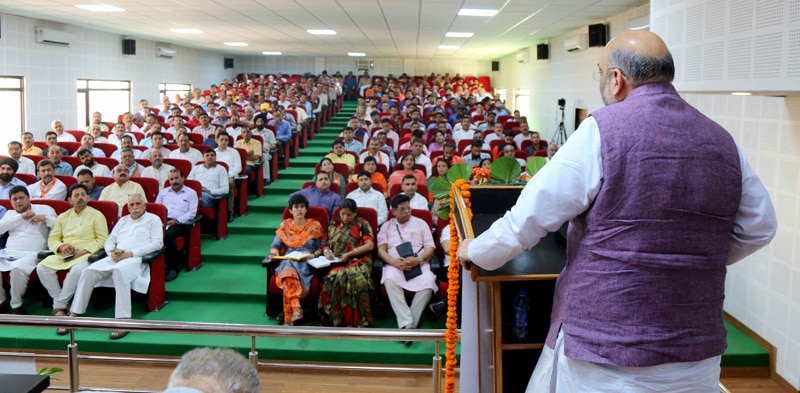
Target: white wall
x,y
762,291
51,72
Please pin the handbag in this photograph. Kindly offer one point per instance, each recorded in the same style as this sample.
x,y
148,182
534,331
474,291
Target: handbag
x,y
406,250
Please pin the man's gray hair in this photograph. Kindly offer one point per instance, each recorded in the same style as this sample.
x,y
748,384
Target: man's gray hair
x,y
640,69
218,370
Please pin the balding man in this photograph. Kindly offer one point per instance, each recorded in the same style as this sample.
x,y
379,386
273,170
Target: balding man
x,y
137,234
122,186
653,225
58,127
218,370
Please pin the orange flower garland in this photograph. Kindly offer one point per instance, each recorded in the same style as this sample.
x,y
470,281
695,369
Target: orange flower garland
x,y
451,336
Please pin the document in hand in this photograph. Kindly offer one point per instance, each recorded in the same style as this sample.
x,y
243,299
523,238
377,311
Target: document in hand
x,y
321,262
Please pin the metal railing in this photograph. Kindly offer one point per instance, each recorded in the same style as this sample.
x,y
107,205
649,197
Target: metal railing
x,y
225,329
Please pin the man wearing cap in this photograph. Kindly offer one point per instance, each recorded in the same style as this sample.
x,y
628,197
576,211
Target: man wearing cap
x,y
27,226
8,167
26,165
48,187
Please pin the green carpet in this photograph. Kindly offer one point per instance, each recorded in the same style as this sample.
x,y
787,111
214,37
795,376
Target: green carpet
x,y
230,288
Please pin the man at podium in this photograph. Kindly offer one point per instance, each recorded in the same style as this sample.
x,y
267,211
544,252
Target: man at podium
x,y
653,224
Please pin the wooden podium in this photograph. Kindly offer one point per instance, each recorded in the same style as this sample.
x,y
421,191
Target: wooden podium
x,y
491,361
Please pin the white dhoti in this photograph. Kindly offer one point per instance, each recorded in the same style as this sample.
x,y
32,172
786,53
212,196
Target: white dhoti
x,y
20,265
123,276
557,373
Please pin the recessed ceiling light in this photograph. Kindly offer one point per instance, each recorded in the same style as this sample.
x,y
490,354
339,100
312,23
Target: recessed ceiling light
x,y
271,53
186,31
356,54
99,8
321,32
476,12
741,93
449,46
234,43
458,35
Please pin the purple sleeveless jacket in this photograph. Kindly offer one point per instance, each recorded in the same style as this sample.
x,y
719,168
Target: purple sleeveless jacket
x,y
646,263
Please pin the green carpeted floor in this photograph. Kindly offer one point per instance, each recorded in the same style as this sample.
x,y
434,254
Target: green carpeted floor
x,y
230,288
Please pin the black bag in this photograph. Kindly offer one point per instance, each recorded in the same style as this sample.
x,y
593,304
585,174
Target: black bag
x,y
416,271
405,250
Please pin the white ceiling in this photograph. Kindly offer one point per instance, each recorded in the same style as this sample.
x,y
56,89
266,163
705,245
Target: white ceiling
x,y
379,28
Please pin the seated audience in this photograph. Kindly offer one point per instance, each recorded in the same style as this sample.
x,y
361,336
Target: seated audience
x,y
509,150
87,160
157,143
50,137
253,148
181,203
127,143
366,196
185,151
326,165
551,151
48,187
119,190
158,169
371,166
407,166
76,234
375,152
86,177
475,155
347,289
8,167
302,234
25,164
410,272
409,187
137,234
28,147
350,142
58,127
320,194
339,155
212,177
87,142
61,167
230,157
126,158
28,227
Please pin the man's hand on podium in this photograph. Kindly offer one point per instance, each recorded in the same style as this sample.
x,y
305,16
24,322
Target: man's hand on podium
x,y
463,254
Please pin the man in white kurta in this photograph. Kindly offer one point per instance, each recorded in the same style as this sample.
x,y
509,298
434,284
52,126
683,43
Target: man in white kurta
x,y
212,177
48,187
230,156
366,196
406,228
28,227
135,235
118,191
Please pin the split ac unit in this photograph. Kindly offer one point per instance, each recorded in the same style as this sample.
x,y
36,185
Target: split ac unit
x,y
524,56
162,51
576,42
53,37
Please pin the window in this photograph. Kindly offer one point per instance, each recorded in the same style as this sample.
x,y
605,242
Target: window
x,y
110,98
170,89
522,100
11,100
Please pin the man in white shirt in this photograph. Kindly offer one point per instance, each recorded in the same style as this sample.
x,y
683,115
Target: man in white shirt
x,y
48,187
185,151
118,134
366,196
409,187
375,151
119,190
87,160
158,170
157,140
524,134
137,234
205,128
234,128
417,150
463,130
26,165
28,227
230,156
87,142
212,177
127,143
61,136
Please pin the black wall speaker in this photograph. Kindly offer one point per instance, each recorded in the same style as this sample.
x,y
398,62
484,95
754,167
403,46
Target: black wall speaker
x,y
542,52
228,62
128,46
597,35
495,66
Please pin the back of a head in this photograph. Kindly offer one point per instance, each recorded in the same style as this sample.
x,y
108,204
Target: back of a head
x,y
215,370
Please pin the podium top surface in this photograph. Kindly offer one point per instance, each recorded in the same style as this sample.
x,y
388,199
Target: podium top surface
x,y
19,383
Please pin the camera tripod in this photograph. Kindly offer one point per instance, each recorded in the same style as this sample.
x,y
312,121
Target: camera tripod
x,y
561,132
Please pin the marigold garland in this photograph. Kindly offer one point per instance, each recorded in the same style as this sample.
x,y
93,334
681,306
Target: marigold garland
x,y
453,271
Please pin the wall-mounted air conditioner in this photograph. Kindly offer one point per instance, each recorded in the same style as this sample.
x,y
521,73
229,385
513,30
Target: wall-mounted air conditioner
x,y
524,56
576,42
50,36
162,51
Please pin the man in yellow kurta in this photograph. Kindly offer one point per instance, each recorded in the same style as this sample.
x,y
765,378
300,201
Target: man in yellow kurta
x,y
339,156
76,234
118,191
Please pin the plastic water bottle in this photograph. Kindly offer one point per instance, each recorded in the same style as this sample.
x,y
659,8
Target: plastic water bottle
x,y
521,306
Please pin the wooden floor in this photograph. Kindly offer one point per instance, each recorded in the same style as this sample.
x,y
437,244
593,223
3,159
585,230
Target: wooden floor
x,y
137,376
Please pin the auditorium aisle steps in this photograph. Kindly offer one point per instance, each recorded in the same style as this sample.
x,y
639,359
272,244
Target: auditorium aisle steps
x,y
230,288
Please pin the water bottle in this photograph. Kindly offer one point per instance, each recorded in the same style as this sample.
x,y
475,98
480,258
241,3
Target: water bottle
x,y
519,331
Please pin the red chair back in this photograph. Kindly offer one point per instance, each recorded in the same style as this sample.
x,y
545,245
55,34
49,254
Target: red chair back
x,y
367,213
109,210
316,212
68,180
155,208
107,148
107,161
150,187
195,139
395,189
26,178
59,206
74,162
423,214
184,165
103,180
34,158
382,168
144,162
78,134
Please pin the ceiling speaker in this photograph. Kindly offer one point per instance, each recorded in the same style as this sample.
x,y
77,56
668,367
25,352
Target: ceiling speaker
x,y
128,46
228,62
598,35
542,52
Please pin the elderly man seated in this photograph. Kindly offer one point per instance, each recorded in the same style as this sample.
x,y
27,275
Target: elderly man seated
x,y
405,244
122,186
135,235
28,227
76,234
